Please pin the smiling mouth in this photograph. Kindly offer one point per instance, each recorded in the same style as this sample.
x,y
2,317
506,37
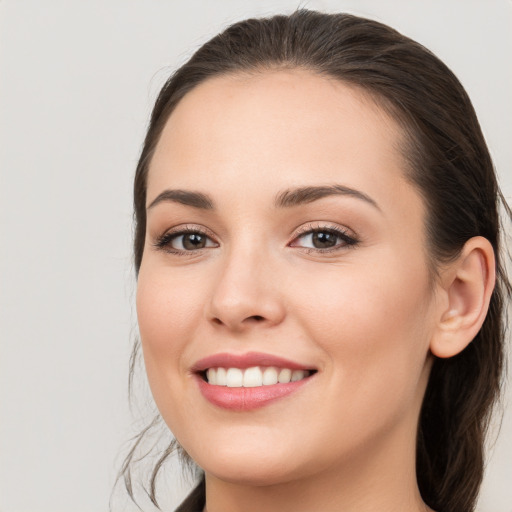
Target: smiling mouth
x,y
255,376
250,381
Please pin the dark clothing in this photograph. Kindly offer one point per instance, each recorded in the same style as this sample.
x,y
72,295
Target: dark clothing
x,y
195,501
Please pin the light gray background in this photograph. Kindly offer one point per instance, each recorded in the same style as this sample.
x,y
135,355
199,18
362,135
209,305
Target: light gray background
x,y
77,81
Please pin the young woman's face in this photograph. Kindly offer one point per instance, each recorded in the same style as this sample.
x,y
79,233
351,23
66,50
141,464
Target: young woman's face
x,y
283,240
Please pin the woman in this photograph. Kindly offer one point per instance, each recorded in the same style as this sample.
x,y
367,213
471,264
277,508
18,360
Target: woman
x,y
320,292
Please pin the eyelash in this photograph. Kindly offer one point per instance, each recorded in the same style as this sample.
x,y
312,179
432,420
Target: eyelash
x,y
164,241
346,240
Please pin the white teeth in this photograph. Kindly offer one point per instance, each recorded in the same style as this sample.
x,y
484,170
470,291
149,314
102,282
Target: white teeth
x,y
234,378
220,378
270,376
285,375
211,376
253,377
297,375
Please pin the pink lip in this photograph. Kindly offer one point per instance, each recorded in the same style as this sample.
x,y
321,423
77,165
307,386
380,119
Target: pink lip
x,y
247,360
246,399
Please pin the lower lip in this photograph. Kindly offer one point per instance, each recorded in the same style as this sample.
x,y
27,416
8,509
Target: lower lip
x,y
247,399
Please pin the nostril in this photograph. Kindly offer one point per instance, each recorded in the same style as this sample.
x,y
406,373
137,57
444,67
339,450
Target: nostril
x,y
231,318
253,318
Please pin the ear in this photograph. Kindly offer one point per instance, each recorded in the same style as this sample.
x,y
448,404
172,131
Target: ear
x,y
467,285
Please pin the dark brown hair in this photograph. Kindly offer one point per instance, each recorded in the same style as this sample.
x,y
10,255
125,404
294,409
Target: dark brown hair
x,y
448,162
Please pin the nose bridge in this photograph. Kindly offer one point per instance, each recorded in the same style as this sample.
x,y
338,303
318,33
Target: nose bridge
x,y
246,290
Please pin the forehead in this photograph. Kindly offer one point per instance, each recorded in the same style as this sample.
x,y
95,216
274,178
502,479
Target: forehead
x,y
286,127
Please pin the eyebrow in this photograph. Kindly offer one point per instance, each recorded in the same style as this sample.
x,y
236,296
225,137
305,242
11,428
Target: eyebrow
x,y
304,195
186,197
285,199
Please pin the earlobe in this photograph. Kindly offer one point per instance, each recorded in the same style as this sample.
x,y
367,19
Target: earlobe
x,y
467,283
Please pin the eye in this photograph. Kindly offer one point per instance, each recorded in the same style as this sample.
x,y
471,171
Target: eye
x,y
323,239
185,240
190,242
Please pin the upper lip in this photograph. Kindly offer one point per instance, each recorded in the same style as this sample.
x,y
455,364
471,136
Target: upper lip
x,y
247,360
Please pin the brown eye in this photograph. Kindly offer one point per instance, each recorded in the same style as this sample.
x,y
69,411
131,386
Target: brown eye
x,y
324,239
192,241
184,241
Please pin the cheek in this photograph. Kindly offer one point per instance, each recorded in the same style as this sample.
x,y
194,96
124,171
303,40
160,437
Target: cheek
x,y
168,313
361,299
169,310
374,326
168,304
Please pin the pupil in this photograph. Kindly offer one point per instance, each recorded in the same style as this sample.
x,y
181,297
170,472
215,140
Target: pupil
x,y
194,241
323,239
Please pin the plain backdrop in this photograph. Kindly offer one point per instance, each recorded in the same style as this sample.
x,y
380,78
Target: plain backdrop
x,y
77,82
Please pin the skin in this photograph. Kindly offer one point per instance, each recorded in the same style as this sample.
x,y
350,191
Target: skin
x,y
364,315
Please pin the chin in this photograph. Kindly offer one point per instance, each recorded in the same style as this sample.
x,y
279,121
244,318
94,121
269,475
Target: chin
x,y
259,475
245,467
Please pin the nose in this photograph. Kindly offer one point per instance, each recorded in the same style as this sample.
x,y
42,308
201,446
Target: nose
x,y
246,293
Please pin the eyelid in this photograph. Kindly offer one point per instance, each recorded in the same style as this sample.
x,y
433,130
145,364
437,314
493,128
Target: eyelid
x,y
190,228
349,238
163,241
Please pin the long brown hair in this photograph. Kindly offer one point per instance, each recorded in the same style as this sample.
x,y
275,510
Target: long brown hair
x,y
448,162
